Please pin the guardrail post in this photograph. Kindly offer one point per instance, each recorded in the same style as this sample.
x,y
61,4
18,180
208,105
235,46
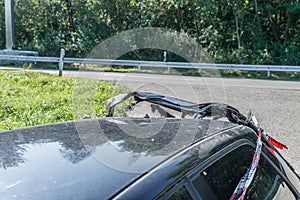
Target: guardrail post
x,y
9,24
268,74
165,60
61,62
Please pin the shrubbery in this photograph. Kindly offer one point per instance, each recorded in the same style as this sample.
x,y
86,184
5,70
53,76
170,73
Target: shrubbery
x,y
231,31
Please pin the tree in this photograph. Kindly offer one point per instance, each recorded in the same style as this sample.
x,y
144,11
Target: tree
x,y
232,31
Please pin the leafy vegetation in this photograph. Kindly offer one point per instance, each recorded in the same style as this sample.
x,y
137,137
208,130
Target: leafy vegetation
x,y
31,98
232,31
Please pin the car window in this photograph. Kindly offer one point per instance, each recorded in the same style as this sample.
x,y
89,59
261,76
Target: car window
x,y
180,194
267,184
220,179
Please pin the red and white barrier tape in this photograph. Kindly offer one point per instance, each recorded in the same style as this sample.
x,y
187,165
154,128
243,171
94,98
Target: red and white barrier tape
x,y
240,191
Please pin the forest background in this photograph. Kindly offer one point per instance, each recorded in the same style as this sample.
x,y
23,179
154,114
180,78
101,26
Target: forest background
x,y
231,31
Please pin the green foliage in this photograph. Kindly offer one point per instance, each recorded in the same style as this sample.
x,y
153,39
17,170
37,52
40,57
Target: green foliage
x,y
232,31
151,55
46,26
30,98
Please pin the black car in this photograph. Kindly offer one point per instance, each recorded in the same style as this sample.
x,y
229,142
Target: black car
x,y
212,152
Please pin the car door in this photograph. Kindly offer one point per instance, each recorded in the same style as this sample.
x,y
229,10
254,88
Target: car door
x,y
218,177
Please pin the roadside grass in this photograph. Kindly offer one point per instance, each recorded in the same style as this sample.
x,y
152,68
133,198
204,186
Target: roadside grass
x,y
33,98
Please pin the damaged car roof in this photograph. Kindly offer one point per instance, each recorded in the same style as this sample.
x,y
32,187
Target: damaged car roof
x,y
57,160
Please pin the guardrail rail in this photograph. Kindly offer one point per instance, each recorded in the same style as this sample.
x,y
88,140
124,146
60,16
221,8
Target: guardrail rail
x,y
140,64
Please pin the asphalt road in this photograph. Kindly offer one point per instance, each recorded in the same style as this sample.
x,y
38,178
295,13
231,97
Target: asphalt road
x,y
276,104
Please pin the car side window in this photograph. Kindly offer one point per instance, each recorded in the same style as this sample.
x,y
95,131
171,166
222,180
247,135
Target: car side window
x,y
180,194
219,180
268,184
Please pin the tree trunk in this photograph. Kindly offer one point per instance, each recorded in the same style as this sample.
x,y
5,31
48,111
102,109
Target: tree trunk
x,y
287,27
273,26
237,30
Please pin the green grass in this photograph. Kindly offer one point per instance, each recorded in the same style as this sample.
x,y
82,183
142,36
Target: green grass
x,y
31,98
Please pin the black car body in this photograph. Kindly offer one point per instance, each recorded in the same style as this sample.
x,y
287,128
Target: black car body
x,y
140,158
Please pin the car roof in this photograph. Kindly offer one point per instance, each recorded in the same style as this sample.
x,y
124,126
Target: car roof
x,y
92,158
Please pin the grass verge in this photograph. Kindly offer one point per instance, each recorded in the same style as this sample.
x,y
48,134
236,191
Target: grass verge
x,y
31,98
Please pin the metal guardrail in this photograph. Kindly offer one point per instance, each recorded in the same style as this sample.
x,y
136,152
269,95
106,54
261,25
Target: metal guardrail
x,y
140,64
